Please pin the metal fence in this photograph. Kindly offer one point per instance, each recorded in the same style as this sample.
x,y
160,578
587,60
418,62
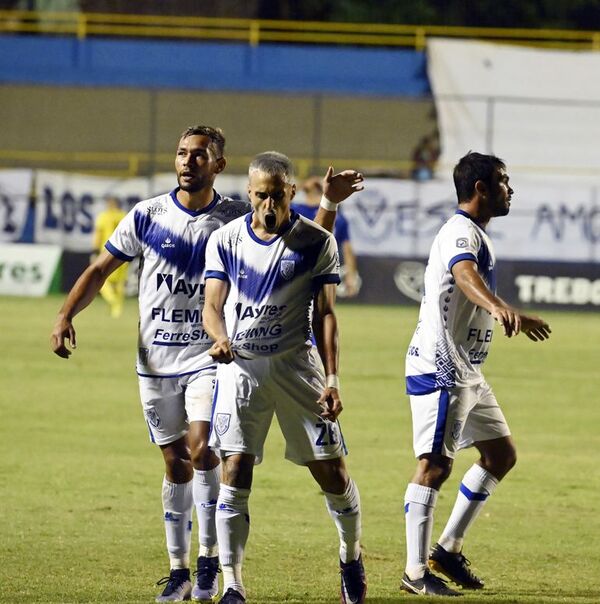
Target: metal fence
x,y
254,31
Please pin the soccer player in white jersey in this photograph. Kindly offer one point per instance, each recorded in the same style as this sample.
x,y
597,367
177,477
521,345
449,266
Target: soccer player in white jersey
x,y
264,271
452,405
176,373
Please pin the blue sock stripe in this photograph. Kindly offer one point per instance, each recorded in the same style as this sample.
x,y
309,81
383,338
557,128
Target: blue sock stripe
x,y
471,495
406,507
440,425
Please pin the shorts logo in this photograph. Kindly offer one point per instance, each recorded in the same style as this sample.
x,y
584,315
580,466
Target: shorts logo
x,y
462,242
456,430
152,417
222,423
286,268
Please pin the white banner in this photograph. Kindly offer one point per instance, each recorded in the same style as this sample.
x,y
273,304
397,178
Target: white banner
x,y
537,109
67,205
15,189
27,270
398,218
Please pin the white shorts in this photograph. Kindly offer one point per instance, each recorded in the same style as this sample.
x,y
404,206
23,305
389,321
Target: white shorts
x,y
169,404
249,391
451,419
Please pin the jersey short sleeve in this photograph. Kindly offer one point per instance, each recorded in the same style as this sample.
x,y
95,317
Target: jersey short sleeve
x,y
215,267
458,241
124,243
327,267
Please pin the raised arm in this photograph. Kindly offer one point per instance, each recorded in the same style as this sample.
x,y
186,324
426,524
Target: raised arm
x,y
81,295
326,335
336,188
215,294
512,320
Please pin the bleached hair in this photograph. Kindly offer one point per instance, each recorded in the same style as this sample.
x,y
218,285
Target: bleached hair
x,y
274,164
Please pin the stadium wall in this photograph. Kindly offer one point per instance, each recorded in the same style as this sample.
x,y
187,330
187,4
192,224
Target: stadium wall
x,y
101,96
212,66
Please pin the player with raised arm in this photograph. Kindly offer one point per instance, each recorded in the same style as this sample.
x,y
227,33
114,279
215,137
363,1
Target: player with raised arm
x,y
176,373
264,271
452,405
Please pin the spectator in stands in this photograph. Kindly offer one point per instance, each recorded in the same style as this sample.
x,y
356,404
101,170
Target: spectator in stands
x,y
425,157
313,190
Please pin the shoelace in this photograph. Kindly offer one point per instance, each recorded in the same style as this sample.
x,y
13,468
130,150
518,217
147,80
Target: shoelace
x,y
206,574
464,560
172,582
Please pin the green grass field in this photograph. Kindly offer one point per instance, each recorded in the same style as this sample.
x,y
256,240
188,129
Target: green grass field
x,y
81,510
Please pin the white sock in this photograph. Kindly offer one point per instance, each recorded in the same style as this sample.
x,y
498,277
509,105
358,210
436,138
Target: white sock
x,y
233,526
177,506
345,511
419,502
476,486
206,492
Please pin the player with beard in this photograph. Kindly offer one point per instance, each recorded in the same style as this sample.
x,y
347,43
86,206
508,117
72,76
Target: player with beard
x,y
176,373
452,405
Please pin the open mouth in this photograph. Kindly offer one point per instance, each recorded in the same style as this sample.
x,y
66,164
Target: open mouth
x,y
270,221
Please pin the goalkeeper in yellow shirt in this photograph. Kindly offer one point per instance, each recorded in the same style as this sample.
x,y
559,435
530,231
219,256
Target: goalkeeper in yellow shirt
x,y
113,290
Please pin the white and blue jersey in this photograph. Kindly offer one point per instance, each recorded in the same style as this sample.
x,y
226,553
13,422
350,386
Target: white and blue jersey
x,y
453,335
272,283
171,240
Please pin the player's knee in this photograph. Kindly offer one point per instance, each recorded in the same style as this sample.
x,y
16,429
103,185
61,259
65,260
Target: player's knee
x,y
501,462
237,471
203,457
509,460
433,471
178,466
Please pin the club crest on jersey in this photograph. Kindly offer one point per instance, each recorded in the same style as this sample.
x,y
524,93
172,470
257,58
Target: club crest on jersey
x,y
287,268
152,417
456,430
462,242
222,423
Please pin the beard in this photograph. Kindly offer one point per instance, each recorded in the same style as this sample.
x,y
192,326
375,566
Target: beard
x,y
190,185
502,210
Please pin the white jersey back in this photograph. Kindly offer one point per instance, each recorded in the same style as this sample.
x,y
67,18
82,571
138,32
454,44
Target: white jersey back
x,y
272,283
172,243
453,335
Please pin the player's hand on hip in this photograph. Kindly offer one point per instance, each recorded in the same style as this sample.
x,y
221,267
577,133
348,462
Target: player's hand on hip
x,y
331,403
534,328
221,351
63,329
337,187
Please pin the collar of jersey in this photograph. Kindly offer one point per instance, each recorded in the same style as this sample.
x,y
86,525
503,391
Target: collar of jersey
x,y
208,208
293,218
467,215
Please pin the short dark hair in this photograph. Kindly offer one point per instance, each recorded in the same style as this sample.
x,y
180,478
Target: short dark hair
x,y
471,168
215,134
274,164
